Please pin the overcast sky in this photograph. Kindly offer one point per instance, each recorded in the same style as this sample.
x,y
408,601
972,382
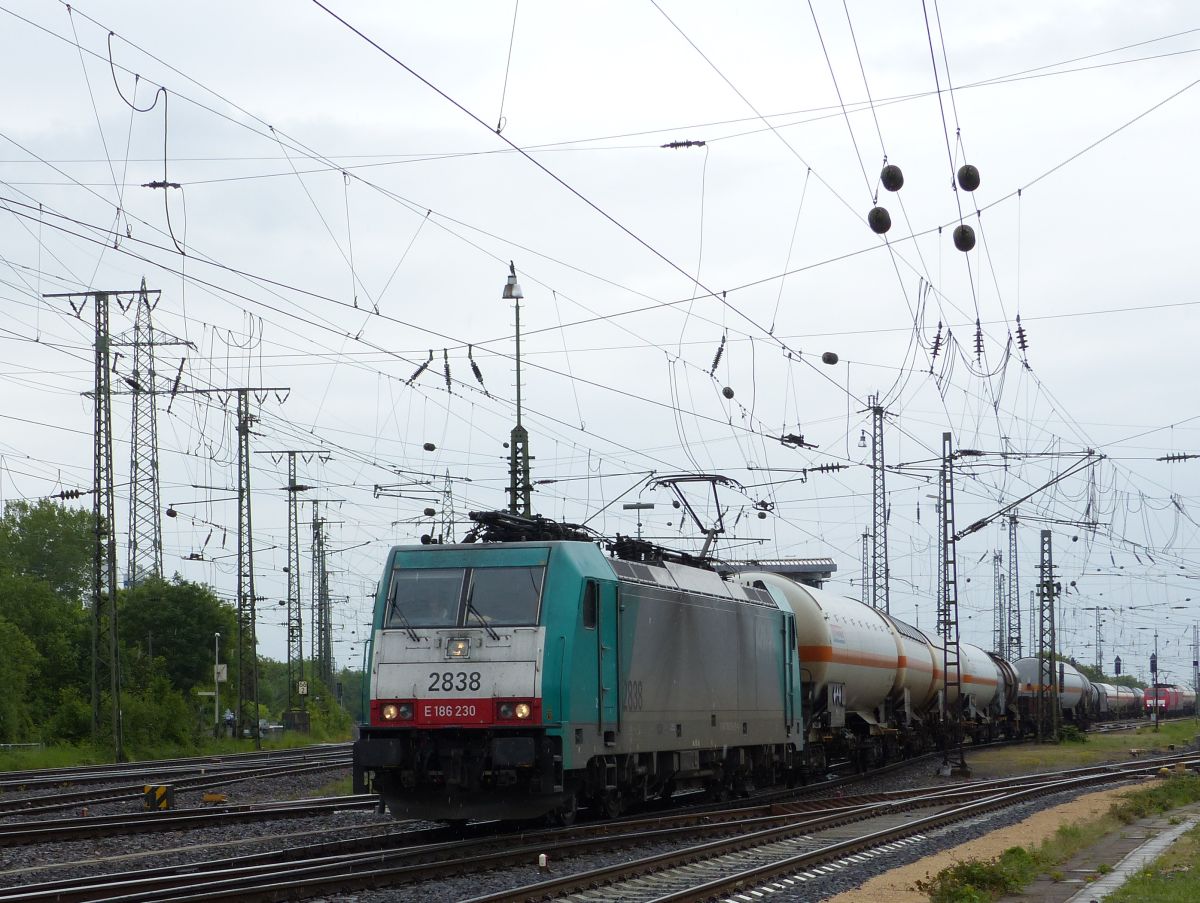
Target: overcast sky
x,y
348,210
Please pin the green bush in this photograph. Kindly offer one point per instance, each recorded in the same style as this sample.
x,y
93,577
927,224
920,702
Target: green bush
x,y
70,721
974,881
1177,790
1071,734
156,717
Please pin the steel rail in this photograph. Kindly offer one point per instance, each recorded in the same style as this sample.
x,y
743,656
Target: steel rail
x,y
54,802
24,833
78,774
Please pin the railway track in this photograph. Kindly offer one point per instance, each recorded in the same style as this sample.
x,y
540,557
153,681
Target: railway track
x,y
77,828
803,835
159,769
194,777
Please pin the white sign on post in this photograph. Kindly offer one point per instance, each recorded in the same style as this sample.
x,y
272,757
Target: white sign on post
x,y
302,687
220,673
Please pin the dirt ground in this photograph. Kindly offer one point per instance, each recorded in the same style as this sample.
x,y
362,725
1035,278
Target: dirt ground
x,y
896,886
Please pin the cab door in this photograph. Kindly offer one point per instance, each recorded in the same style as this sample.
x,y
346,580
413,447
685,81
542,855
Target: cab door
x,y
608,656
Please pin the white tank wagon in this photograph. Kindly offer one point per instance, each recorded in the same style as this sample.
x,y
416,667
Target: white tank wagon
x,y
1116,701
981,679
918,669
849,653
1074,690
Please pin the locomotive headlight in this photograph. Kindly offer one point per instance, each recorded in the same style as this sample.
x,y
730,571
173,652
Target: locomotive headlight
x,y
506,710
458,647
405,711
522,710
390,712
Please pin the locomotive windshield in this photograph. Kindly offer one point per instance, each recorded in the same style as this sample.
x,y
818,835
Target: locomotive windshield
x,y
464,597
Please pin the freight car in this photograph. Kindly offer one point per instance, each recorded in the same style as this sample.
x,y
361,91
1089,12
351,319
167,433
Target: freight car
x,y
521,679
1118,702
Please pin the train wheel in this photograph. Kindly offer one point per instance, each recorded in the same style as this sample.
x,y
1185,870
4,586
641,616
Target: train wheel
x,y
612,804
564,816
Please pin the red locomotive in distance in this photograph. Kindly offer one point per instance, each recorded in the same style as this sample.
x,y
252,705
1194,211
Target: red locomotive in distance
x,y
1169,700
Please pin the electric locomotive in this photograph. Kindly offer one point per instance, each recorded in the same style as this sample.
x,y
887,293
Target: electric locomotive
x,y
521,679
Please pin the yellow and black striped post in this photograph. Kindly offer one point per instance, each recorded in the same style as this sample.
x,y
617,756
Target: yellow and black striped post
x,y
158,796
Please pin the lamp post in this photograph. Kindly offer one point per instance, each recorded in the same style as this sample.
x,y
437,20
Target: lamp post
x,y
638,507
216,684
1158,701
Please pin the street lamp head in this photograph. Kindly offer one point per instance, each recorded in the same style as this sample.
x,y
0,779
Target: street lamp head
x,y
512,288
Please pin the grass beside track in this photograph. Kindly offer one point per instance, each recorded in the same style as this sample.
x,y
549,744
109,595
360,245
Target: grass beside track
x,y
67,756
1172,878
976,881
1095,749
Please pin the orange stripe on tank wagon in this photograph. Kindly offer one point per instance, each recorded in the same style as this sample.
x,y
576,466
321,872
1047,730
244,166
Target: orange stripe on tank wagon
x,y
861,659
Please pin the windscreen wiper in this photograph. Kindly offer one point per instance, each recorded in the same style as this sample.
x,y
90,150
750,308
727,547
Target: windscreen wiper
x,y
472,610
399,615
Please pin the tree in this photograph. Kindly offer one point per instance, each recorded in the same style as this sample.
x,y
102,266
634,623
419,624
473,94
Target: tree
x,y
45,571
1096,676
175,621
18,661
351,682
51,542
58,629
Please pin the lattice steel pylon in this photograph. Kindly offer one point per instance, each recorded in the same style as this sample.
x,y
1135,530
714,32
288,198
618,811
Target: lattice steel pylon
x,y
1015,646
1000,611
446,514
247,640
879,549
322,616
1047,689
105,634
519,485
295,616
297,701
952,697
866,567
106,647
145,523
295,610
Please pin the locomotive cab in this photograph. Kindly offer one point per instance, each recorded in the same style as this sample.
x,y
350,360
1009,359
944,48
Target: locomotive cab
x,y
456,702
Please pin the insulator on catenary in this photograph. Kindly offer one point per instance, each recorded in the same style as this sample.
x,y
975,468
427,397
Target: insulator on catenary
x,y
968,177
717,356
1022,339
475,369
879,220
937,341
421,369
446,367
978,339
